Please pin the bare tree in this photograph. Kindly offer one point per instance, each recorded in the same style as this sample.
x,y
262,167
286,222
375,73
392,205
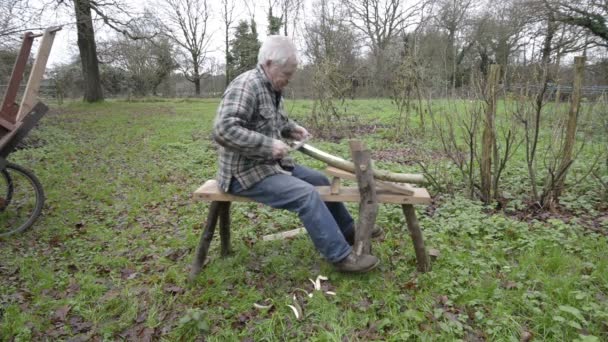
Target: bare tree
x,y
291,9
109,12
331,47
146,63
16,17
381,21
451,17
88,51
588,14
227,12
499,33
187,26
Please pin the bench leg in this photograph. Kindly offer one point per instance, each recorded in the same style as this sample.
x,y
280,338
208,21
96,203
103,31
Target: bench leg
x,y
205,241
225,228
422,258
368,204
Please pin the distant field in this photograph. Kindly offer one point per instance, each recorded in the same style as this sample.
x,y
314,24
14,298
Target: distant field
x,y
110,256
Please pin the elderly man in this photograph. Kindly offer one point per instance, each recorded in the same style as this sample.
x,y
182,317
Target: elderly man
x,y
253,161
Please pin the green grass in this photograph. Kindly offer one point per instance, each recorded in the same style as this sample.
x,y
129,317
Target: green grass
x,y
109,258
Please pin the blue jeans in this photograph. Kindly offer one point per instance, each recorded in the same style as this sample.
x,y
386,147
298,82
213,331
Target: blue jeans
x,y
327,223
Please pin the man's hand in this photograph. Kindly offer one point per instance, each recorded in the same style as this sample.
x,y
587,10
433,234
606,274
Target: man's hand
x,y
299,133
279,149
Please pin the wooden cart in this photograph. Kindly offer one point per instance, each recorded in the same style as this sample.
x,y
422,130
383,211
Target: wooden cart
x,y
21,194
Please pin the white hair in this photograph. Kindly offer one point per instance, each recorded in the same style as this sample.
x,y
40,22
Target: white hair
x,y
278,49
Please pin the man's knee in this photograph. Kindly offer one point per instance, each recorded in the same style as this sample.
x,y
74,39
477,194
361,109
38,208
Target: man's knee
x,y
318,178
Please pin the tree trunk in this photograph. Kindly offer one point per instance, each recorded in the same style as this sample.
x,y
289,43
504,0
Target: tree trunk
x,y
196,77
227,43
197,86
88,51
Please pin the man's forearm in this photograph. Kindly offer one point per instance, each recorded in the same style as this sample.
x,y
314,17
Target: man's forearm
x,y
247,142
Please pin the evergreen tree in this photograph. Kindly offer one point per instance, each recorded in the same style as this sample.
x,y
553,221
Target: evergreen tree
x,y
274,23
244,48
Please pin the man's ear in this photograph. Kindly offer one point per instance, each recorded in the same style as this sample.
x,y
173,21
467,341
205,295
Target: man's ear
x,y
268,63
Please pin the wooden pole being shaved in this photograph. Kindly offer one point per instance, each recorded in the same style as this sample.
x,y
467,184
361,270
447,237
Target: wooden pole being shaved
x,y
350,167
368,204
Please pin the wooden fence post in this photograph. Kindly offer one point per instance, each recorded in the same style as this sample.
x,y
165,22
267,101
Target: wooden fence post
x,y
488,145
575,103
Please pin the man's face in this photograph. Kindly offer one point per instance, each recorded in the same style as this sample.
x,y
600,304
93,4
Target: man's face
x,y
280,75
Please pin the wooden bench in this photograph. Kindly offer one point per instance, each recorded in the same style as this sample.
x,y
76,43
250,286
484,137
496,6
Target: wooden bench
x,y
221,202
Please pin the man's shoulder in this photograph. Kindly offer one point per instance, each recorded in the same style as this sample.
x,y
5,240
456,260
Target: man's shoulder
x,y
248,79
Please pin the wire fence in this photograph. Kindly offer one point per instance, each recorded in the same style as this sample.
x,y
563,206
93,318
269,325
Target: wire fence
x,y
554,89
45,92
50,91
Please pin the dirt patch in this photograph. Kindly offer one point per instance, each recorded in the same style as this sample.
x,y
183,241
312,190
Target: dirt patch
x,y
533,212
406,155
339,132
341,128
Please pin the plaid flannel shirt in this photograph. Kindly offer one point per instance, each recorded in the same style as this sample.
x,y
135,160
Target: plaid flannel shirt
x,y
249,118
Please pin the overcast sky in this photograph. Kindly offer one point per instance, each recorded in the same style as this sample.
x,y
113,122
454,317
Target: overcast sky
x,y
65,46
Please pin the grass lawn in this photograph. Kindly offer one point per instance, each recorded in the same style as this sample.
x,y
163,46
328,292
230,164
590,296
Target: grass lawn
x,y
110,256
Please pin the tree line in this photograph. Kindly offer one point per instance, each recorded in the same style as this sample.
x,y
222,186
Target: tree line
x,y
352,48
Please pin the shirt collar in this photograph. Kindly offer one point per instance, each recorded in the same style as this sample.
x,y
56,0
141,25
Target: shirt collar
x,y
267,82
263,76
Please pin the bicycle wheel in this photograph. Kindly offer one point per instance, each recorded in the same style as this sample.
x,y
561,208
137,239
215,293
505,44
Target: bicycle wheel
x,y
7,181
24,199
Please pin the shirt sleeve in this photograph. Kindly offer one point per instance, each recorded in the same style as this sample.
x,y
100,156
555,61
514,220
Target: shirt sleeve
x,y
230,128
286,125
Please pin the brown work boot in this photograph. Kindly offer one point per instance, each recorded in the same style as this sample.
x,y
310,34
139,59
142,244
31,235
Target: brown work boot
x,y
376,232
354,263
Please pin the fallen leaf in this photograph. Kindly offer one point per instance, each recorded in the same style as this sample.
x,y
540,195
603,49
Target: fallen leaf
x,y
363,304
141,317
73,288
175,254
410,285
526,336
111,294
61,314
78,325
434,252
174,289
128,273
